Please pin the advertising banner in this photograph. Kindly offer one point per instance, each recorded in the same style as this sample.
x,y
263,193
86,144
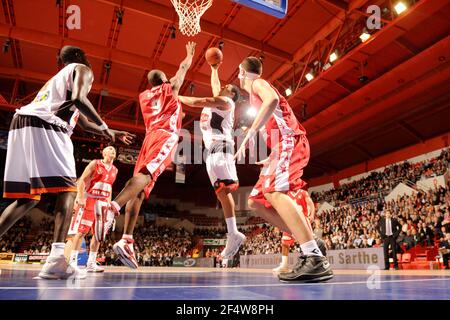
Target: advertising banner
x,y
356,259
193,262
214,242
6,257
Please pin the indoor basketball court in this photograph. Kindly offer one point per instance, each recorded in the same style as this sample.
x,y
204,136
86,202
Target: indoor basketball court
x,y
367,80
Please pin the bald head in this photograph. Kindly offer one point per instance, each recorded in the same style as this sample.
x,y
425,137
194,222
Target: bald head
x,y
156,78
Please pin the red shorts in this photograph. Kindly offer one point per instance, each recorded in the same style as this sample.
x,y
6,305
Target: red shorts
x,y
83,219
157,153
284,169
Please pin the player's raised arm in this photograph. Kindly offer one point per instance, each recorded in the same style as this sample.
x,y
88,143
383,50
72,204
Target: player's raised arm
x,y
88,126
178,79
215,80
270,101
212,102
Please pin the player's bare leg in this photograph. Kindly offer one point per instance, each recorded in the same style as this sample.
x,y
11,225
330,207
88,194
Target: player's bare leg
x,y
312,265
68,247
234,237
76,246
92,260
268,214
56,266
124,247
14,212
284,265
133,187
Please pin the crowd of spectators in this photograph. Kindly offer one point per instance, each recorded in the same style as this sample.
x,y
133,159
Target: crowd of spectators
x,y
378,184
12,240
154,246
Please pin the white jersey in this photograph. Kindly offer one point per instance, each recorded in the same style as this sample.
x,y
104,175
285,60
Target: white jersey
x,y
217,125
53,102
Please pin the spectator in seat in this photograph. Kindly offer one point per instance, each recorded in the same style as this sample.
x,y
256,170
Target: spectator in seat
x,y
408,241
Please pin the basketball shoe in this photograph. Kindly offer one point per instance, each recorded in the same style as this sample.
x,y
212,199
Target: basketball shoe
x,y
58,268
308,269
94,267
125,251
234,242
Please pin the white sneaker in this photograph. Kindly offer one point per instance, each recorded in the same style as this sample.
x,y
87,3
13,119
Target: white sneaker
x,y
234,242
124,249
93,267
58,268
76,272
282,268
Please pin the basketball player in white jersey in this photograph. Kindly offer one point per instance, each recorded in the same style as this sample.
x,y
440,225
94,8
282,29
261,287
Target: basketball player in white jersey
x,y
94,185
216,124
40,157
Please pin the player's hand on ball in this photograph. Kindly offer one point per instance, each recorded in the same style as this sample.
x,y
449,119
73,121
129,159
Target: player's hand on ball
x,y
216,66
125,137
190,48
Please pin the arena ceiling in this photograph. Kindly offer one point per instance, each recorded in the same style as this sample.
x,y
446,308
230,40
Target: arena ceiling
x,y
378,96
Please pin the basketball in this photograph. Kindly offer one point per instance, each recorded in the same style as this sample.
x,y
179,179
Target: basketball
x,y
213,56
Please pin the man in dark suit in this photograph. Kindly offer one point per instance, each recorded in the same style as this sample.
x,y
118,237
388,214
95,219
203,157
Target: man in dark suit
x,y
389,229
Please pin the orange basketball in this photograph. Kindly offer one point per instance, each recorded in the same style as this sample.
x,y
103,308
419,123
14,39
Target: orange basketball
x,y
213,56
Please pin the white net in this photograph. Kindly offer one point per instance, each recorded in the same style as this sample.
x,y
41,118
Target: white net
x,y
190,12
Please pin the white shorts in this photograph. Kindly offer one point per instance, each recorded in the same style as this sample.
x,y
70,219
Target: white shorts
x,y
221,168
39,159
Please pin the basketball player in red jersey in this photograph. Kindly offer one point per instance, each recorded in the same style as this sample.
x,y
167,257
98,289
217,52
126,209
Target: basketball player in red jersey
x,y
273,196
94,188
40,157
161,110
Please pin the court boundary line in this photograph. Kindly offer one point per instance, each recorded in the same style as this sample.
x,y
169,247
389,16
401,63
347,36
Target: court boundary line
x,y
218,286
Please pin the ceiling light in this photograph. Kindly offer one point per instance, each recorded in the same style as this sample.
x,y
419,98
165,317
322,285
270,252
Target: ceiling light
x,y
333,57
288,92
309,76
364,36
400,7
251,112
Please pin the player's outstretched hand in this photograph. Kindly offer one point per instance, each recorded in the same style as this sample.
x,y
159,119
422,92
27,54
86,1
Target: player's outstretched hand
x,y
125,137
109,134
240,153
190,48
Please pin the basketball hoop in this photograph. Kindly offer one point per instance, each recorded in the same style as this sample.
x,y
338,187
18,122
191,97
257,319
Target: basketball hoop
x,y
190,12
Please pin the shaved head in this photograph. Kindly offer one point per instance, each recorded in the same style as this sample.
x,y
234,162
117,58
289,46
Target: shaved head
x,y
156,78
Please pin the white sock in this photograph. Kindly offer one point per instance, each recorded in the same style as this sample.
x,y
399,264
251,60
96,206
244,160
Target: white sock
x,y
92,258
284,260
231,225
57,249
127,236
74,257
310,248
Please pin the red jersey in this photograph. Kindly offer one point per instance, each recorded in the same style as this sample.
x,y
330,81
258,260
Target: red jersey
x,y
100,184
160,109
282,122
